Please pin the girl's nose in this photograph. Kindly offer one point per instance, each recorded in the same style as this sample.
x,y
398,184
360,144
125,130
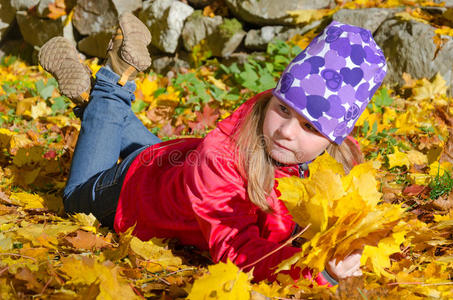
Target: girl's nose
x,y
290,128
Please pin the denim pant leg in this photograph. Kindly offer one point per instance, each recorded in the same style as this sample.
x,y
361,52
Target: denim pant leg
x,y
109,128
135,135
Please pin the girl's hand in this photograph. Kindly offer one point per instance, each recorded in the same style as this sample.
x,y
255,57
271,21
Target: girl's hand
x,y
349,266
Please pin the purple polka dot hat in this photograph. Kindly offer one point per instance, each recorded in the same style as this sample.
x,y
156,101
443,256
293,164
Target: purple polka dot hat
x,y
331,82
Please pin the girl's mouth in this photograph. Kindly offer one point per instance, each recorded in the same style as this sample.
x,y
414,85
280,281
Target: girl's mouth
x,y
281,146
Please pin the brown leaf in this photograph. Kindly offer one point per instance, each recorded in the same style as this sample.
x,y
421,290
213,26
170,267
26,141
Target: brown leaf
x,y
88,240
4,198
413,190
444,202
169,130
31,282
160,113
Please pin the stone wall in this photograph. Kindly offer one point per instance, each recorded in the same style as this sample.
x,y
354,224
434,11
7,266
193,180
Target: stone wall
x,y
243,26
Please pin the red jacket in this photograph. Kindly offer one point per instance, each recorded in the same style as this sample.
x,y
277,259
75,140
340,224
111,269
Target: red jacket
x,y
191,189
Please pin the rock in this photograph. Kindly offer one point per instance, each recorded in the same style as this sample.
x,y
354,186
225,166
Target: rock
x,y
200,3
95,44
408,47
68,31
257,39
271,12
368,18
94,16
165,19
197,27
37,31
162,64
43,7
126,6
7,15
226,38
23,4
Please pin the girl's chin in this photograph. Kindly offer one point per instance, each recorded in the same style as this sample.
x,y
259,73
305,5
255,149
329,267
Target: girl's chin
x,y
284,157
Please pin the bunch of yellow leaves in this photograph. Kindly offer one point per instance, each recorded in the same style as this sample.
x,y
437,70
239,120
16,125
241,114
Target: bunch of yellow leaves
x,y
343,212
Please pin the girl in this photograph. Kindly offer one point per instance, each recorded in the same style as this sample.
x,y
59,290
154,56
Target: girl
x,y
218,192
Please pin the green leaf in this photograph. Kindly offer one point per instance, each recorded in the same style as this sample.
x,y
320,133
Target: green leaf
x,y
267,81
374,128
138,106
159,92
8,89
382,98
365,127
59,105
47,92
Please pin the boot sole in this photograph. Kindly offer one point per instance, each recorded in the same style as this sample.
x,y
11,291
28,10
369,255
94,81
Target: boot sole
x,y
60,58
136,38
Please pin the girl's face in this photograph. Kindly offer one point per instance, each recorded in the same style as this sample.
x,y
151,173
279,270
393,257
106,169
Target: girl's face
x,y
290,138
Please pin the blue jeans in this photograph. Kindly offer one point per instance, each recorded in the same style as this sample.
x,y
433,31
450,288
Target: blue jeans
x,y
110,130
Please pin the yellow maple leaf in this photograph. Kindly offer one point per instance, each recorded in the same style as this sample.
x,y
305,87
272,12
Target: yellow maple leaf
x,y
419,178
5,137
40,110
28,156
223,281
379,255
88,222
308,199
270,290
160,257
28,201
309,15
362,179
430,90
408,16
398,159
86,271
147,87
436,169
416,157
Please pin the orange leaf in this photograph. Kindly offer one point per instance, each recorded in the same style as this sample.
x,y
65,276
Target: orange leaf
x,y
87,240
57,9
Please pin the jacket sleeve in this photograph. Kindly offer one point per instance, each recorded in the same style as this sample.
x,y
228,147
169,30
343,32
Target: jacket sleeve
x,y
229,221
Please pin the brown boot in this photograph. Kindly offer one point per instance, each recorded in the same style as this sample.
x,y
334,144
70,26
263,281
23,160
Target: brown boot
x,y
128,52
60,58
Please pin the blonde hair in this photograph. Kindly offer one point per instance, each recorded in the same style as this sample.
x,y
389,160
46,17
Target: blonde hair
x,y
258,168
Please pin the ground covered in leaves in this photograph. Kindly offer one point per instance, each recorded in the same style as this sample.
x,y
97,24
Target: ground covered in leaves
x,y
405,134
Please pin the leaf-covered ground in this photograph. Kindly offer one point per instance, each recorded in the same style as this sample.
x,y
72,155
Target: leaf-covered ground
x,y
405,134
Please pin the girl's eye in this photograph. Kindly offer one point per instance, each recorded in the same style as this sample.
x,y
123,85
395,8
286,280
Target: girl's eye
x,y
284,109
309,127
